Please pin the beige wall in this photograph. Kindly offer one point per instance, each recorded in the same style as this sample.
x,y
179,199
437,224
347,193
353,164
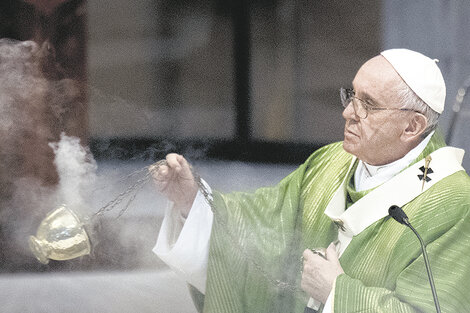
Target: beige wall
x,y
159,70
163,69
303,52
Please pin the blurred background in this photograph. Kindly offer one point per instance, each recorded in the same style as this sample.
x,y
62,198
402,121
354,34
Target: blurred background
x,y
246,90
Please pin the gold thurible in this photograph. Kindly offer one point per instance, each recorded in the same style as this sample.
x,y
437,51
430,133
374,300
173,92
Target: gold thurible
x,y
60,236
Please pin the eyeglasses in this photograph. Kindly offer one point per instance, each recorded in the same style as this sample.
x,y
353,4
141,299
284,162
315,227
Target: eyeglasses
x,y
361,107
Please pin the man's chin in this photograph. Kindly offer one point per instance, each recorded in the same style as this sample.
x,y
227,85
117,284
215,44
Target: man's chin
x,y
349,147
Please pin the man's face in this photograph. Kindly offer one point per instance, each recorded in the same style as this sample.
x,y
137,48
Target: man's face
x,y
376,139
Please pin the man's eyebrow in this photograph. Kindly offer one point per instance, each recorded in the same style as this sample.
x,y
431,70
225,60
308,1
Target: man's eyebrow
x,y
368,98
364,96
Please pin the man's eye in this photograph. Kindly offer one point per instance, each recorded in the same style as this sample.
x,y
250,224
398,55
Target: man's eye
x,y
368,104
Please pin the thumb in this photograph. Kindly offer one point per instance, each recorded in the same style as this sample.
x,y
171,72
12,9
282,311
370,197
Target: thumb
x,y
331,254
185,168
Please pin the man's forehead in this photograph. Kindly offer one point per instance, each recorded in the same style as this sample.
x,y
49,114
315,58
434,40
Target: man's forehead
x,y
376,77
380,69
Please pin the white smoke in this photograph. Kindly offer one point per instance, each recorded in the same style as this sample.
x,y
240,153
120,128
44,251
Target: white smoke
x,y
77,172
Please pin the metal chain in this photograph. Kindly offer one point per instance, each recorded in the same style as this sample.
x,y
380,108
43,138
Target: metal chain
x,y
208,197
133,188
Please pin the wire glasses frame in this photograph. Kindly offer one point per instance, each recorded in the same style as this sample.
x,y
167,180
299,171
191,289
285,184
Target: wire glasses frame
x,y
361,107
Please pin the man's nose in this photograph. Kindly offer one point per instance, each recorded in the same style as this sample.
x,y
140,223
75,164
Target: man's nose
x,y
349,113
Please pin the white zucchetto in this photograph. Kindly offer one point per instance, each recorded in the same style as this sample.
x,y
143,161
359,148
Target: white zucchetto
x,y
421,74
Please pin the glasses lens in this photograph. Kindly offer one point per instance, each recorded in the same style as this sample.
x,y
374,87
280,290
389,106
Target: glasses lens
x,y
360,109
347,96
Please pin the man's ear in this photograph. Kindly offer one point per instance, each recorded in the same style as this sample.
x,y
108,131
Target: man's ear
x,y
416,127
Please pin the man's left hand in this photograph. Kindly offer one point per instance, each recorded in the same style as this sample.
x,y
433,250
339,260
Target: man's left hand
x,y
319,274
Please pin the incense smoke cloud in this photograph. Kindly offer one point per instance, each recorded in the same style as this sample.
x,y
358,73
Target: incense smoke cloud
x,y
76,169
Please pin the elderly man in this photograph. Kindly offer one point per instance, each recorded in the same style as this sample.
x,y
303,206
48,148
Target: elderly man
x,y
244,254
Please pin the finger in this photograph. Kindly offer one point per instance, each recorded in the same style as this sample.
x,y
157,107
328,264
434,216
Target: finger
x,y
161,179
307,254
153,169
172,160
158,173
331,254
163,170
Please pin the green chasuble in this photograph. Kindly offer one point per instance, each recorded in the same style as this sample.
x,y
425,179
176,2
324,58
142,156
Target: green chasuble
x,y
257,240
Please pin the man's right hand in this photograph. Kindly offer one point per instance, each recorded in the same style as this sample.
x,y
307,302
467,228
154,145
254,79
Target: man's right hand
x,y
176,181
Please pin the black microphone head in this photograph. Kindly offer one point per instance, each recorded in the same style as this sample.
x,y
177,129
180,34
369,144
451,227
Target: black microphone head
x,y
398,215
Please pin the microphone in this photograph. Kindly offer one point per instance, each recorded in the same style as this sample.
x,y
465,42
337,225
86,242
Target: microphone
x,y
400,216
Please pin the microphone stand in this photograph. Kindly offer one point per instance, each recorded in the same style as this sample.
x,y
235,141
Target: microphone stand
x,y
428,267
400,216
